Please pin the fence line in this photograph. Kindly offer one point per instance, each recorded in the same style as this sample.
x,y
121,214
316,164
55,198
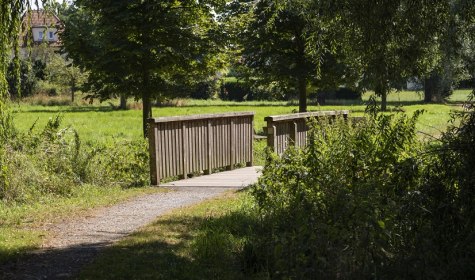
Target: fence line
x,y
184,145
285,130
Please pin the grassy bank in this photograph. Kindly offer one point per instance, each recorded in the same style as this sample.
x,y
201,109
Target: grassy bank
x,y
198,242
23,225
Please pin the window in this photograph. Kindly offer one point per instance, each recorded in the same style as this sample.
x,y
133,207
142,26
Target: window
x,y
51,35
40,35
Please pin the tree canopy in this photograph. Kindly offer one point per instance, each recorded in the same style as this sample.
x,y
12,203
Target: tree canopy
x,y
278,42
145,49
391,41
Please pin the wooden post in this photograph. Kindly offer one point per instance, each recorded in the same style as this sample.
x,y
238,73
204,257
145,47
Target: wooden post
x,y
293,133
270,130
251,149
153,147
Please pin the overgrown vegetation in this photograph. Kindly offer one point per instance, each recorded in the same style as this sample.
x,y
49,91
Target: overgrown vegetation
x,y
53,160
366,200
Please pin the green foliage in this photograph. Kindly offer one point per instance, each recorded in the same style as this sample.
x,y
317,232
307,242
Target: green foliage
x,y
149,50
234,90
390,41
29,73
445,239
368,200
206,90
337,208
456,54
274,42
53,161
61,71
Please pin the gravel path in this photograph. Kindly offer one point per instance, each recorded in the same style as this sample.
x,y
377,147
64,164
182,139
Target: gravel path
x,y
75,243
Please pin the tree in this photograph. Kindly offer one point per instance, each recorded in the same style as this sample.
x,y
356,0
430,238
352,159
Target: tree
x,y
275,43
392,40
62,71
452,68
145,49
10,12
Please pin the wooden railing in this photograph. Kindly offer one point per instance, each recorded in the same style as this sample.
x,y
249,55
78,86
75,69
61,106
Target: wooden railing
x,y
285,130
185,145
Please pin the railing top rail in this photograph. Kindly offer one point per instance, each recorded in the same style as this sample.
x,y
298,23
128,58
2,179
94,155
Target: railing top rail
x,y
305,115
200,117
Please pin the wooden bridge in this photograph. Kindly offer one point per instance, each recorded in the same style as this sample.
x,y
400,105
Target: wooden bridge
x,y
188,146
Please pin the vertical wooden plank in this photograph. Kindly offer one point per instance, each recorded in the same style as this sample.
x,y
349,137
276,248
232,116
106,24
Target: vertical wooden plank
x,y
170,149
162,151
173,147
250,129
232,142
200,147
239,142
293,134
184,151
209,147
153,150
192,146
166,156
270,135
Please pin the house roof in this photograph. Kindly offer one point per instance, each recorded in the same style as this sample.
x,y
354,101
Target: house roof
x,y
41,18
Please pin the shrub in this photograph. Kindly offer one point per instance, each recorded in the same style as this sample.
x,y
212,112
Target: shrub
x,y
28,79
339,94
206,90
334,210
234,90
53,161
368,200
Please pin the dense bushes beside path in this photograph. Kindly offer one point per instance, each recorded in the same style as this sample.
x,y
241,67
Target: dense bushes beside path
x,y
368,200
53,160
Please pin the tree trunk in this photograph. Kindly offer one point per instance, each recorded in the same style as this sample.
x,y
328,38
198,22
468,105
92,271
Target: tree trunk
x,y
73,90
146,111
302,84
123,102
428,85
384,102
381,90
147,104
436,88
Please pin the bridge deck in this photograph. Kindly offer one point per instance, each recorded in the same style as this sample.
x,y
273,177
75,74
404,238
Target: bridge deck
x,y
237,178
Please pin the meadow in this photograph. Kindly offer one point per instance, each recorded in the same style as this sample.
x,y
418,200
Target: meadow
x,y
101,122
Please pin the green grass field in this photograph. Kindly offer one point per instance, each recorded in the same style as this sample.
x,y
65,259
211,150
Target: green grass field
x,y
100,122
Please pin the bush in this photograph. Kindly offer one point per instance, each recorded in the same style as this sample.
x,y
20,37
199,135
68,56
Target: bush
x,y
340,94
328,215
206,90
234,90
368,200
28,79
53,161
